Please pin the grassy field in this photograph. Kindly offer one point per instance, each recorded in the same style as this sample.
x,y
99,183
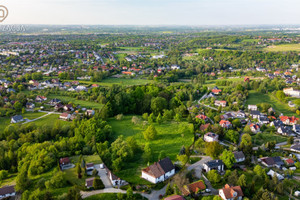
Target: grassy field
x,y
170,140
119,81
256,98
263,138
82,103
5,121
88,159
49,120
283,47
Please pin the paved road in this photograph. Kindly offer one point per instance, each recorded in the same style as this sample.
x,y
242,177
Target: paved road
x,y
37,118
198,172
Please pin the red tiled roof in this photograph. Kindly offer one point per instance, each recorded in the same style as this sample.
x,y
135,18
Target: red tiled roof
x,y
174,197
230,190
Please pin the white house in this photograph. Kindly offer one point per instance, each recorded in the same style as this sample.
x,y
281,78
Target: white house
x,y
16,119
7,191
159,171
211,137
231,192
239,156
65,116
291,92
252,107
214,165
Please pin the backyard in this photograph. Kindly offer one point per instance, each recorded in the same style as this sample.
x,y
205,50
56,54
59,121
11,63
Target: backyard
x,y
255,98
171,137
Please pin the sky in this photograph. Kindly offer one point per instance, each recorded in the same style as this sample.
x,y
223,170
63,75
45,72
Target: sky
x,y
153,12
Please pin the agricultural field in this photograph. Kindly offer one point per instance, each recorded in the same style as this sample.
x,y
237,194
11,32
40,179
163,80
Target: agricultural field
x,y
257,98
171,137
283,47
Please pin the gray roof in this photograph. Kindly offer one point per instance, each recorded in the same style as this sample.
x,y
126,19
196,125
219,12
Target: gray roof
x,y
17,117
214,163
166,164
238,155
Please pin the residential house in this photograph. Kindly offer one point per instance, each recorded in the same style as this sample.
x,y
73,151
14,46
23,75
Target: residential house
x,y
271,110
291,92
89,182
285,130
65,163
89,166
7,191
295,148
289,120
277,123
159,171
240,114
16,119
252,107
211,137
201,117
203,127
255,128
296,128
90,113
68,107
271,173
225,124
227,116
255,114
174,197
214,165
65,116
239,156
220,103
193,188
263,119
231,192
272,162
30,105
40,99
54,102
289,162
115,181
216,91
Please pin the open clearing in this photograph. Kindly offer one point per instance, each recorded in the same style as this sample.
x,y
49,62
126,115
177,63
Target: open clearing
x,y
170,139
257,98
283,47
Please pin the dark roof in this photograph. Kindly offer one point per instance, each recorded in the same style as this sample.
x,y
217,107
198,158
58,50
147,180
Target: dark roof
x,y
269,161
278,160
296,147
255,112
7,190
166,164
160,168
64,161
214,163
17,117
89,182
238,155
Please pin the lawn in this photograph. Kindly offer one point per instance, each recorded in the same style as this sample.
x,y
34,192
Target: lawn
x,y
5,121
283,47
49,120
263,138
257,98
88,159
171,137
82,103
